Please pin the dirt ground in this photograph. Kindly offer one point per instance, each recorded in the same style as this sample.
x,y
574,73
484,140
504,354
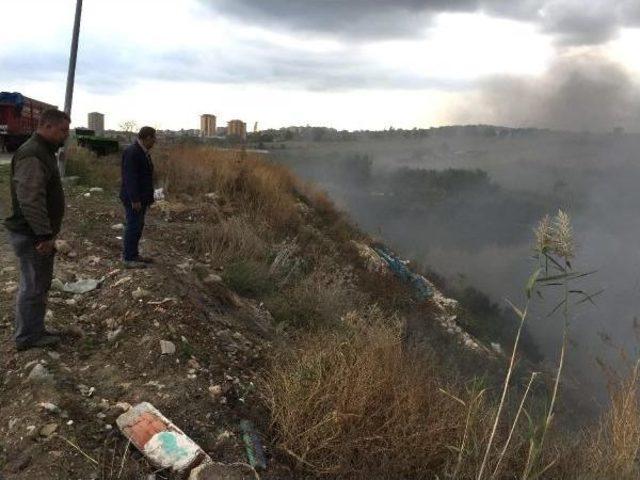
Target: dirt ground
x,y
63,426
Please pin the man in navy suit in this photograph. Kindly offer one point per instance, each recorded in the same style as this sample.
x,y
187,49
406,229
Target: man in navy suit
x,y
136,194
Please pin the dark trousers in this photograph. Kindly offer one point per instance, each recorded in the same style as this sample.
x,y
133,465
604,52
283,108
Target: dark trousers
x,y
36,272
133,231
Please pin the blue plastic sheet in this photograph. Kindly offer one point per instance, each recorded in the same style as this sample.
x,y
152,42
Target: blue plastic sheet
x,y
421,287
12,98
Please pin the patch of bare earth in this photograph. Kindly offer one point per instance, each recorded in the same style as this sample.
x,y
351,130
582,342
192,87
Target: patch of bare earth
x,y
63,425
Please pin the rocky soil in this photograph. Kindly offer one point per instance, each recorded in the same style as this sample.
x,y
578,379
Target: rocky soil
x,y
171,335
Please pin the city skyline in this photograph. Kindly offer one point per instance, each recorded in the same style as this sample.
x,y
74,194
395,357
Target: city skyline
x,y
346,65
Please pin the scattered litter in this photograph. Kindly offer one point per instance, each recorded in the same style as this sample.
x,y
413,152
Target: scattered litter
x,y
48,429
118,227
82,286
113,335
87,195
53,355
140,293
86,391
372,260
71,180
62,246
123,406
122,281
215,391
40,374
253,445
212,278
209,471
158,194
161,441
184,265
162,302
167,347
96,190
422,287
49,407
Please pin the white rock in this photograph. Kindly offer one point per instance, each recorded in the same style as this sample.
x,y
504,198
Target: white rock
x,y
53,355
167,347
40,374
213,278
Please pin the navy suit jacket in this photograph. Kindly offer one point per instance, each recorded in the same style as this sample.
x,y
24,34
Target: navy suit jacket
x,y
137,176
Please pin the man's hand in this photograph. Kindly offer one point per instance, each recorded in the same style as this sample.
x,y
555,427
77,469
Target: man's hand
x,y
137,206
46,247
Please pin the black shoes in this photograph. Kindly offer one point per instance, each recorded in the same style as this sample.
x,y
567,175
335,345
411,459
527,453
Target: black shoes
x,y
46,340
138,262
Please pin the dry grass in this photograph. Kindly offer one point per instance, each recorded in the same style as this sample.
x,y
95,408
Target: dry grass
x,y
230,239
93,171
609,450
315,300
243,179
355,405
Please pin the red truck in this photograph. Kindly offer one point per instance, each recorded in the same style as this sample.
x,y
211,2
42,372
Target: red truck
x,y
19,116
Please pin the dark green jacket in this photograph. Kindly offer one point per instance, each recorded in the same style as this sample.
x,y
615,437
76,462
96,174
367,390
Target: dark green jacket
x,y
37,196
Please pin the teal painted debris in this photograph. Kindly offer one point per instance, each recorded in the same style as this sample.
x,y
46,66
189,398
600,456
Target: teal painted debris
x,y
421,286
253,445
162,442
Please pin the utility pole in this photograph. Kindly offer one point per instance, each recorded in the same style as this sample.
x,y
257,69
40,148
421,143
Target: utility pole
x,y
71,77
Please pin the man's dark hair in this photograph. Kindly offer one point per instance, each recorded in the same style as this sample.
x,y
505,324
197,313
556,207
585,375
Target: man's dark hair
x,y
146,132
53,116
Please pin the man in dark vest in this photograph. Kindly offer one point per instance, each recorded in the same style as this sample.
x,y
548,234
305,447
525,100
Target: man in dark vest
x,y
136,194
37,199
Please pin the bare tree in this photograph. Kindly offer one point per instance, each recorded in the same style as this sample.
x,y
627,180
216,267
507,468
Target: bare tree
x,y
128,126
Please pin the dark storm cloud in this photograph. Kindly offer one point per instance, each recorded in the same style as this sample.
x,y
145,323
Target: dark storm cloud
x,y
353,18
585,92
572,22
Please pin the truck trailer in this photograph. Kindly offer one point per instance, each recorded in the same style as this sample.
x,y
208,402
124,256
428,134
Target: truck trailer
x,y
19,117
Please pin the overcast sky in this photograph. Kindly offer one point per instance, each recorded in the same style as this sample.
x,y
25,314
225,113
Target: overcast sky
x,y
349,64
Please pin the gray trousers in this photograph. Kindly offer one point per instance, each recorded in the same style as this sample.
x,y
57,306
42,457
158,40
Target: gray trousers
x,y
36,273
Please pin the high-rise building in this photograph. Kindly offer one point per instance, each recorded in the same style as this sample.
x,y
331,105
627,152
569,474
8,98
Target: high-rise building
x,y
96,123
207,125
237,128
